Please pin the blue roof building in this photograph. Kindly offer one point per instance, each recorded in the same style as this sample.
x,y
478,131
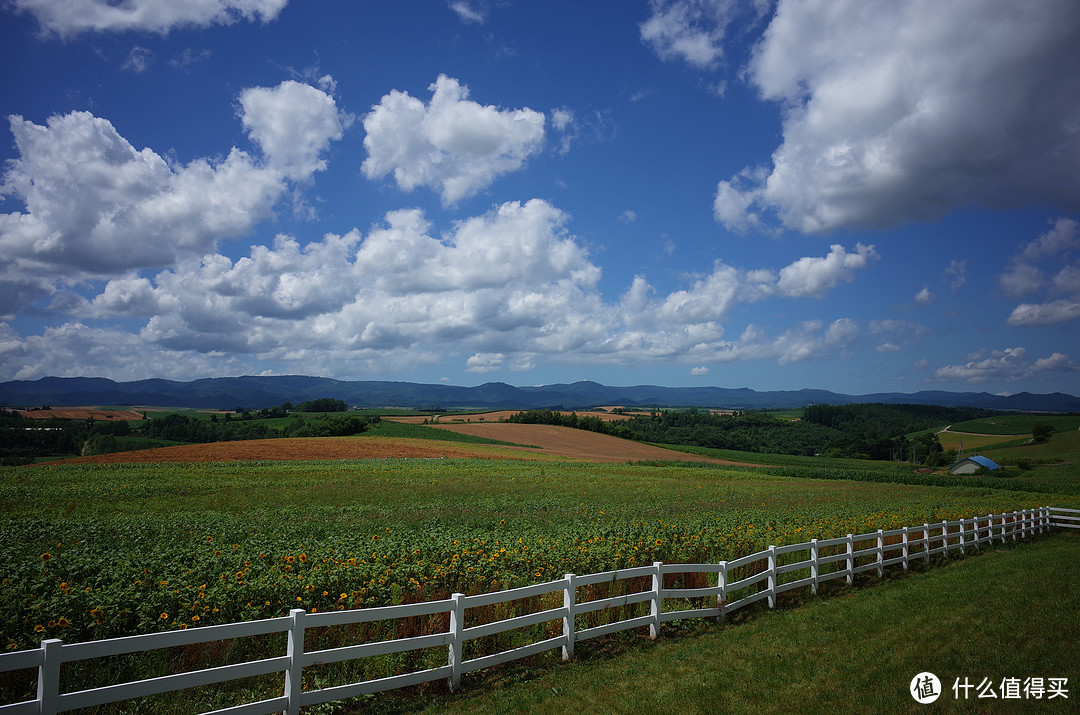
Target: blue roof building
x,y
973,464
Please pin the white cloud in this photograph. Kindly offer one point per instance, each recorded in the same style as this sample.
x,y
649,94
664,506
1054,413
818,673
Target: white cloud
x,y
1055,248
693,30
469,12
1011,364
485,362
924,296
453,143
897,334
699,371
958,271
1057,311
139,59
813,277
293,124
67,18
97,206
498,291
895,112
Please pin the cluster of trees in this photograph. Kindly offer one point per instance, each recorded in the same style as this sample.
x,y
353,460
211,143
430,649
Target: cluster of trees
x,y
23,439
744,431
863,431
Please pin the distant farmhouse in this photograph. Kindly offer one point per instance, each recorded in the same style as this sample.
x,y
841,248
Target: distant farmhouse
x,y
973,464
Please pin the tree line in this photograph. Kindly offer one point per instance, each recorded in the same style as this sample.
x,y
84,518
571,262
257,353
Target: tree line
x,y
23,439
860,431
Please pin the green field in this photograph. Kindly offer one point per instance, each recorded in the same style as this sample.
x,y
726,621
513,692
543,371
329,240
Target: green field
x,y
98,551
1017,424
855,653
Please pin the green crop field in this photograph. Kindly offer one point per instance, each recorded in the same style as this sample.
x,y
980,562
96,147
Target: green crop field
x,y
98,551
1017,424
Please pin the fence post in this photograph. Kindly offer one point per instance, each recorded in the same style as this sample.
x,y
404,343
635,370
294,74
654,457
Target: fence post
x,y
963,531
814,566
656,604
850,578
945,535
880,553
1002,515
294,648
772,576
48,682
906,548
457,625
721,581
569,603
926,541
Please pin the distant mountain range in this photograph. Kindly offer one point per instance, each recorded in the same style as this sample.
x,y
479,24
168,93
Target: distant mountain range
x,y
257,392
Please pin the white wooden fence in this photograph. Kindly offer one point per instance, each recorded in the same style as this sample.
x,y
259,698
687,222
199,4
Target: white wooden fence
x,y
759,576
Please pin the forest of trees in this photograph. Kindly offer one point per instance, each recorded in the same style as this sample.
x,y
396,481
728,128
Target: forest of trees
x,y
22,439
863,431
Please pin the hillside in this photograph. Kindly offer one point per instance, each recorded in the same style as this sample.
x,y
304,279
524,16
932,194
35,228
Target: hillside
x,y
265,391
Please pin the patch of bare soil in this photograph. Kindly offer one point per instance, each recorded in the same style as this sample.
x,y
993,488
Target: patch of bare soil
x,y
577,444
81,413
299,448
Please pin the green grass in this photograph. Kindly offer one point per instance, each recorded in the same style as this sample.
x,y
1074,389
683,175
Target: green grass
x,y
1007,613
1061,446
1017,424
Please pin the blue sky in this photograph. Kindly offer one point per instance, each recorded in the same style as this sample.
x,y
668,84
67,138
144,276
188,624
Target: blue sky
x,y
844,194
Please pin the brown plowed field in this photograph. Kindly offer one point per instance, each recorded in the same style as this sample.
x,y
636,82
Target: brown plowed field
x,y
293,448
81,413
550,443
575,443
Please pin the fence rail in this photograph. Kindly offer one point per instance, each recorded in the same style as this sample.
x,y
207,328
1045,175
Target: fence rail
x,y
738,583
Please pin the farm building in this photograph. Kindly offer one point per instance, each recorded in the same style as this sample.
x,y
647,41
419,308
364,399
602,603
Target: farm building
x,y
973,464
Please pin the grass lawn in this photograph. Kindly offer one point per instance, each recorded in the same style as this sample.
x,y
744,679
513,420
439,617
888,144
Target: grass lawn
x,y
1007,613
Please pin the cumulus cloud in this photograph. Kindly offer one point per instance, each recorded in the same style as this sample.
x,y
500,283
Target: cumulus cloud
x,y
293,124
97,206
814,277
924,296
66,18
451,144
895,112
1011,364
496,291
1056,249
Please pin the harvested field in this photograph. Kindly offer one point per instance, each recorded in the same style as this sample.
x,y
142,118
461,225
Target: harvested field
x,y
81,413
575,443
552,443
304,448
